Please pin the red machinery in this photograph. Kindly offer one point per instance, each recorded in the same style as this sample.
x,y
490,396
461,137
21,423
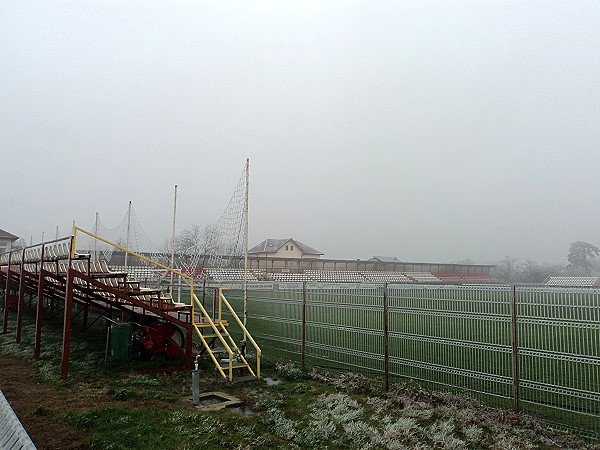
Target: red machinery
x,y
158,341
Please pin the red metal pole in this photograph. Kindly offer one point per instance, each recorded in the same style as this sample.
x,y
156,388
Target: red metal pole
x,y
39,309
38,318
214,302
189,348
21,300
67,318
86,316
67,325
86,312
6,294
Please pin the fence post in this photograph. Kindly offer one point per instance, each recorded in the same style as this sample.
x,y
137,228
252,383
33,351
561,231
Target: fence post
x,y
303,349
515,362
386,355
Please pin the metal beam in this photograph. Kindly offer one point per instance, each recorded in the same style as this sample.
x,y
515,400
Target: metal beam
x,y
6,294
21,300
39,309
67,317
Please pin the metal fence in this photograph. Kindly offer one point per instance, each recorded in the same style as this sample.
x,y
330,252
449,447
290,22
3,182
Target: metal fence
x,y
12,433
534,348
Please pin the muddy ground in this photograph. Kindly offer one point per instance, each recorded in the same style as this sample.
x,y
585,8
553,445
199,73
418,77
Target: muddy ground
x,y
38,406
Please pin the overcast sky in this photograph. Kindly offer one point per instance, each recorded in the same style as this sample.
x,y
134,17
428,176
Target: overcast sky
x,y
427,130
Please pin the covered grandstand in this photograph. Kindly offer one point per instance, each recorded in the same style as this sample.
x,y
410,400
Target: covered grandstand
x,y
324,270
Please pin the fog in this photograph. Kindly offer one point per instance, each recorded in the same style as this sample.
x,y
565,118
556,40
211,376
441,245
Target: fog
x,y
426,130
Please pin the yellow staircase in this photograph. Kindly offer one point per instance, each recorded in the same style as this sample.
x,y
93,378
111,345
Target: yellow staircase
x,y
211,330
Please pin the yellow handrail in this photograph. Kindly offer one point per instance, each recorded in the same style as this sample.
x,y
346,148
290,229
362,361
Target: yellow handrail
x,y
248,336
76,229
130,252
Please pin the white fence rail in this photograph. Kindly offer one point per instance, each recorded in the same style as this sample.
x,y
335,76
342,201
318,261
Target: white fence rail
x,y
12,433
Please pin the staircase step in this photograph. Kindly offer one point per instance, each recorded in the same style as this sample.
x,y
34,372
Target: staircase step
x,y
219,350
234,367
210,336
203,322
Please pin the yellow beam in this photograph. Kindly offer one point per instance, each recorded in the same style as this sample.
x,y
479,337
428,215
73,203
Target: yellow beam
x,y
248,336
132,253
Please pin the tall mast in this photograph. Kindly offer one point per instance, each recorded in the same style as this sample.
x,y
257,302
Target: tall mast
x,y
96,240
128,228
246,244
173,238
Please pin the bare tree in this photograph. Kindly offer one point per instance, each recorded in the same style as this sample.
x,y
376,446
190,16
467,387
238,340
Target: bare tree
x,y
508,268
211,237
18,244
197,240
530,272
189,239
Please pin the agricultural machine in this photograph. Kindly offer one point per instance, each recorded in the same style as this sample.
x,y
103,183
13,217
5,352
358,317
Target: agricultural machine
x,y
157,341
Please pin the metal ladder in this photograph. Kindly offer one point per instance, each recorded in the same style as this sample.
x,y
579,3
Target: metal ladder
x,y
228,355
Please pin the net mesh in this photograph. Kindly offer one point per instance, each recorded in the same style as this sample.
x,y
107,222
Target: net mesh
x,y
228,233
216,245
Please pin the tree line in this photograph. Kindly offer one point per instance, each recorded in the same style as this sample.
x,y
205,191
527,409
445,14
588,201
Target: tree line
x,y
582,261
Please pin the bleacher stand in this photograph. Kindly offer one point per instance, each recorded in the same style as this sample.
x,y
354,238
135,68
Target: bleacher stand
x,y
56,261
261,276
140,273
385,277
466,277
572,281
422,277
290,277
229,274
336,276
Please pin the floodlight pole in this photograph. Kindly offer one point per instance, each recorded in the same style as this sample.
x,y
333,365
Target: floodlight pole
x,y
173,238
128,228
246,245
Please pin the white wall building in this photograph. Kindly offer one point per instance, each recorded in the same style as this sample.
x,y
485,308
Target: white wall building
x,y
283,248
6,240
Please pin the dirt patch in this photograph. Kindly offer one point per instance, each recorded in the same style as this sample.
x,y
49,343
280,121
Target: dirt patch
x,y
40,406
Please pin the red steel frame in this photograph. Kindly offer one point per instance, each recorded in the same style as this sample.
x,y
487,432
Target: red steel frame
x,y
68,310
